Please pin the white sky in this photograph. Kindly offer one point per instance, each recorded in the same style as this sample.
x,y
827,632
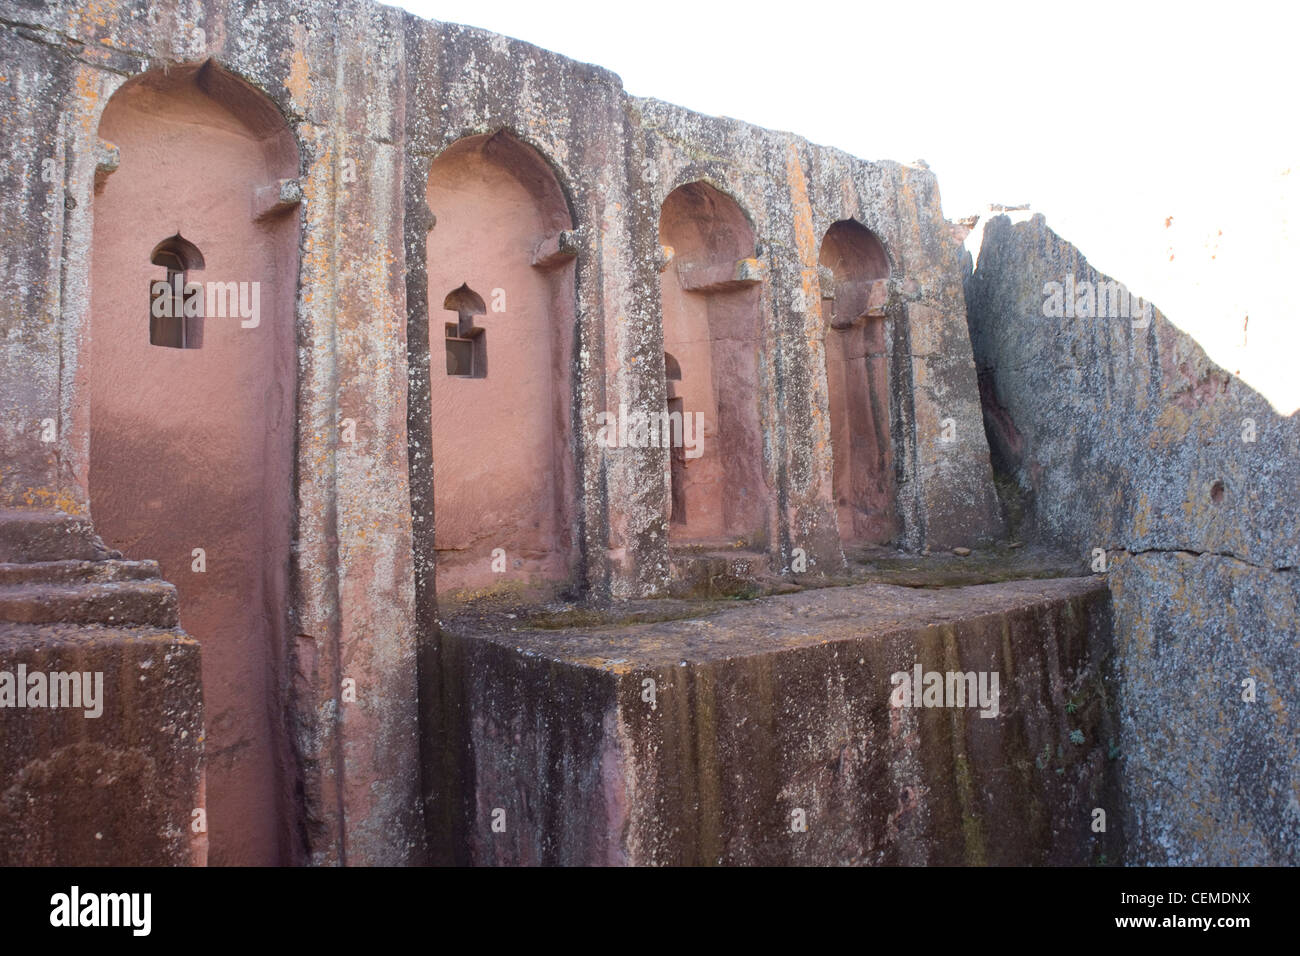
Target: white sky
x,y
1106,117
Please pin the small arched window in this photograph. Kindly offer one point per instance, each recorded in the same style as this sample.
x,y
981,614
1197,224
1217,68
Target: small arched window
x,y
676,421
176,304
466,343
672,368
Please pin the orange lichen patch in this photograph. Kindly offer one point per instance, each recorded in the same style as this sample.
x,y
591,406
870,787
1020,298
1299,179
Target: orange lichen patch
x,y
59,499
1171,427
88,96
804,235
1142,515
298,82
80,15
619,667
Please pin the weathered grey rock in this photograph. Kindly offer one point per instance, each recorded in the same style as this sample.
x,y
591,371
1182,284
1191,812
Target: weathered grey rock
x,y
1121,435
1209,778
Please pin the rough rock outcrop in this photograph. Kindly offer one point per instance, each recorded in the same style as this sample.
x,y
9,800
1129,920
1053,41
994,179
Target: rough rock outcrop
x,y
1117,433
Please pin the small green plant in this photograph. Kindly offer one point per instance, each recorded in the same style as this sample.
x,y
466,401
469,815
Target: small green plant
x,y
1076,736
1041,760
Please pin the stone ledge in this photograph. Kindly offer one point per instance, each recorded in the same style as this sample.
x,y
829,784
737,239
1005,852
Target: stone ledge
x,y
119,788
783,705
786,622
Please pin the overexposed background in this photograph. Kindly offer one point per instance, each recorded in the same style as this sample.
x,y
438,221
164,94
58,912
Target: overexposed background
x,y
1160,138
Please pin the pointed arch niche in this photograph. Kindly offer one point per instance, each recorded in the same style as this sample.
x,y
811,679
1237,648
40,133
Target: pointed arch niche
x,y
192,447
857,378
500,266
713,333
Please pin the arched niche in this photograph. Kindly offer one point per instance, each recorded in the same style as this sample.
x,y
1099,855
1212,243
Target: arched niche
x,y
857,378
191,448
500,265
713,333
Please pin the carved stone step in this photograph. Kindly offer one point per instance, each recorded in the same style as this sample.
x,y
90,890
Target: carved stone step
x,y
151,602
61,573
27,536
